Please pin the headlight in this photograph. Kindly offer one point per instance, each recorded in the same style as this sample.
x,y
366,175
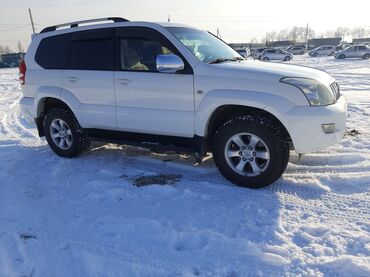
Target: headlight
x,y
316,93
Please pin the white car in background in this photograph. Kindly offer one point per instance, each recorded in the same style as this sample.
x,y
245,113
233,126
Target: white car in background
x,y
257,53
325,50
354,51
276,54
296,50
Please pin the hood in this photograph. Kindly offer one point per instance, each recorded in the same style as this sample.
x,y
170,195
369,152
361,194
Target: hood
x,y
268,70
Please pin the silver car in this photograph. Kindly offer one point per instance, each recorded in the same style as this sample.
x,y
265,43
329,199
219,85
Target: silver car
x,y
354,51
296,50
276,54
325,50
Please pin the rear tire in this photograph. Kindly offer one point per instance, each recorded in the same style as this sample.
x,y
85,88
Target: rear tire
x,y
366,56
64,134
249,151
287,59
266,59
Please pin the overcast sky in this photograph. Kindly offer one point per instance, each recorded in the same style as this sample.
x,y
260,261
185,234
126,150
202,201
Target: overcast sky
x,y
237,20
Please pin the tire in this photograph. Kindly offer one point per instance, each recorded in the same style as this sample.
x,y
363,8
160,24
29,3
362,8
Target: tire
x,y
366,56
315,54
64,134
342,56
266,59
263,147
287,59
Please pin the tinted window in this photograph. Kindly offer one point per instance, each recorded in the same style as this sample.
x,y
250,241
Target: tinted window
x,y
52,52
362,48
140,54
92,50
270,51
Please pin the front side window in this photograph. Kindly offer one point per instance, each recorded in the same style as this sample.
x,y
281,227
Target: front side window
x,y
203,45
140,54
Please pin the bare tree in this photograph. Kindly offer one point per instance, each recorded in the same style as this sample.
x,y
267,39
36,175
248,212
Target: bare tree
x,y
358,32
342,32
20,47
283,34
5,49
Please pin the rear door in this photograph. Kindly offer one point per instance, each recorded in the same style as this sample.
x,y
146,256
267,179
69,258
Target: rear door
x,y
89,77
149,101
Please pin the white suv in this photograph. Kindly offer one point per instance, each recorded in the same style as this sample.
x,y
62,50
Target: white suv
x,y
174,84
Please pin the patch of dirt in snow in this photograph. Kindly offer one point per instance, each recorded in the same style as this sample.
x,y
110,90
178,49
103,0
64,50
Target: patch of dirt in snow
x,y
91,221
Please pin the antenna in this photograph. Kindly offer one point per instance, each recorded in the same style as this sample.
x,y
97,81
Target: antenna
x,y
169,18
32,24
218,34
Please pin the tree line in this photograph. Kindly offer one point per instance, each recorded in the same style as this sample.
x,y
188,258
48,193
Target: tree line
x,y
302,34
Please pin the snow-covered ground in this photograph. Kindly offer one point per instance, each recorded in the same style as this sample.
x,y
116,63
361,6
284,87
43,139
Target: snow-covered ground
x,y
84,216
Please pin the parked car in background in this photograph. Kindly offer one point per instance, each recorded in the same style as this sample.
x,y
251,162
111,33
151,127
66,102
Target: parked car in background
x,y
325,50
296,50
354,51
258,52
276,54
245,52
342,46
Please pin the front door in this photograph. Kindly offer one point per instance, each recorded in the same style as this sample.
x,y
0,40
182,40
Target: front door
x,y
149,101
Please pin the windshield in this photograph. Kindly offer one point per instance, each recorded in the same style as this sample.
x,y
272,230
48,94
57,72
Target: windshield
x,y
205,46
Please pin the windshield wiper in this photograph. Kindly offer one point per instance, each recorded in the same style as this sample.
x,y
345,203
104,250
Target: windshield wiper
x,y
221,60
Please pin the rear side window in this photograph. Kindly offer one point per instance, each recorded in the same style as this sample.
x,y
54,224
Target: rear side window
x,y
92,50
52,52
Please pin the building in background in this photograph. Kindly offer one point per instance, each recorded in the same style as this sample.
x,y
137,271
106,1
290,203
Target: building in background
x,y
360,40
316,42
10,60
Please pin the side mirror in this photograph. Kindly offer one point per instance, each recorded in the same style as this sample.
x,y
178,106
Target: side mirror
x,y
169,63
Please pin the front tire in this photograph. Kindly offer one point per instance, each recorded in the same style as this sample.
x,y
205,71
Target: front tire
x,y
250,152
266,59
64,134
315,54
342,56
287,59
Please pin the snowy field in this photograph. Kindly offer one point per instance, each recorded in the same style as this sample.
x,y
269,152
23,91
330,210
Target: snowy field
x,y
84,216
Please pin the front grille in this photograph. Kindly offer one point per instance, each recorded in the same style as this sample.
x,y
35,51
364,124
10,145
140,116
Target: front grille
x,y
335,89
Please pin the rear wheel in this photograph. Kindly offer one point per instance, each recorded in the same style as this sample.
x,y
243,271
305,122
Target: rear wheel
x,y
266,59
287,59
315,54
64,134
342,56
249,151
366,56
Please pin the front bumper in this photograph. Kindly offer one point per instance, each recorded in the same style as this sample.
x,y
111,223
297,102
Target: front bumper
x,y
304,125
28,108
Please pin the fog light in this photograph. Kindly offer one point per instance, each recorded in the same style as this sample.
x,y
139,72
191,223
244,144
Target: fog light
x,y
328,128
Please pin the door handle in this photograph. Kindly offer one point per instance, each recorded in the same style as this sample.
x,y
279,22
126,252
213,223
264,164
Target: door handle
x,y
72,79
123,81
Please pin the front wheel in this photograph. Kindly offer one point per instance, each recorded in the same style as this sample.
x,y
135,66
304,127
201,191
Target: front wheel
x,y
266,59
64,134
250,152
341,56
287,59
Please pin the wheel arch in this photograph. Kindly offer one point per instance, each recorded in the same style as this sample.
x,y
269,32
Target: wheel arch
x,y
44,105
224,113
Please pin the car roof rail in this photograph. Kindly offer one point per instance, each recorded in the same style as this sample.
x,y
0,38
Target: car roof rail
x,y
77,23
